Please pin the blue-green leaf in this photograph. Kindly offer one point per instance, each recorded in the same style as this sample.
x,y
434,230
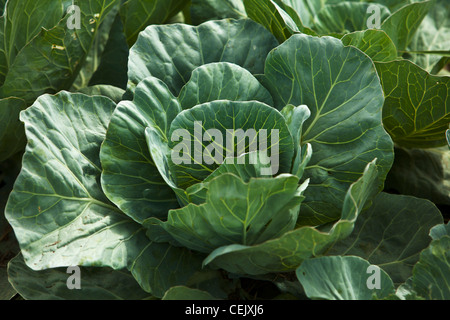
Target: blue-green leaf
x,y
343,278
183,48
59,211
341,88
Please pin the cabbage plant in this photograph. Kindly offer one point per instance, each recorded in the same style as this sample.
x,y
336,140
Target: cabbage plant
x,y
150,186
231,156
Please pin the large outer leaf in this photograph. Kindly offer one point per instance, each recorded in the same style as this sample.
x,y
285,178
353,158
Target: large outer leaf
x,y
58,210
57,175
228,117
341,278
287,252
391,234
51,284
130,178
375,43
138,14
182,48
403,24
341,88
238,212
416,112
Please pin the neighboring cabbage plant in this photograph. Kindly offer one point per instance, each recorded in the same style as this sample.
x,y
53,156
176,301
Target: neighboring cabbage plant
x,y
232,152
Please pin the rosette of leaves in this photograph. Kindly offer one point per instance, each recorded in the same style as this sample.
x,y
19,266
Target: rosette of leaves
x,y
102,184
